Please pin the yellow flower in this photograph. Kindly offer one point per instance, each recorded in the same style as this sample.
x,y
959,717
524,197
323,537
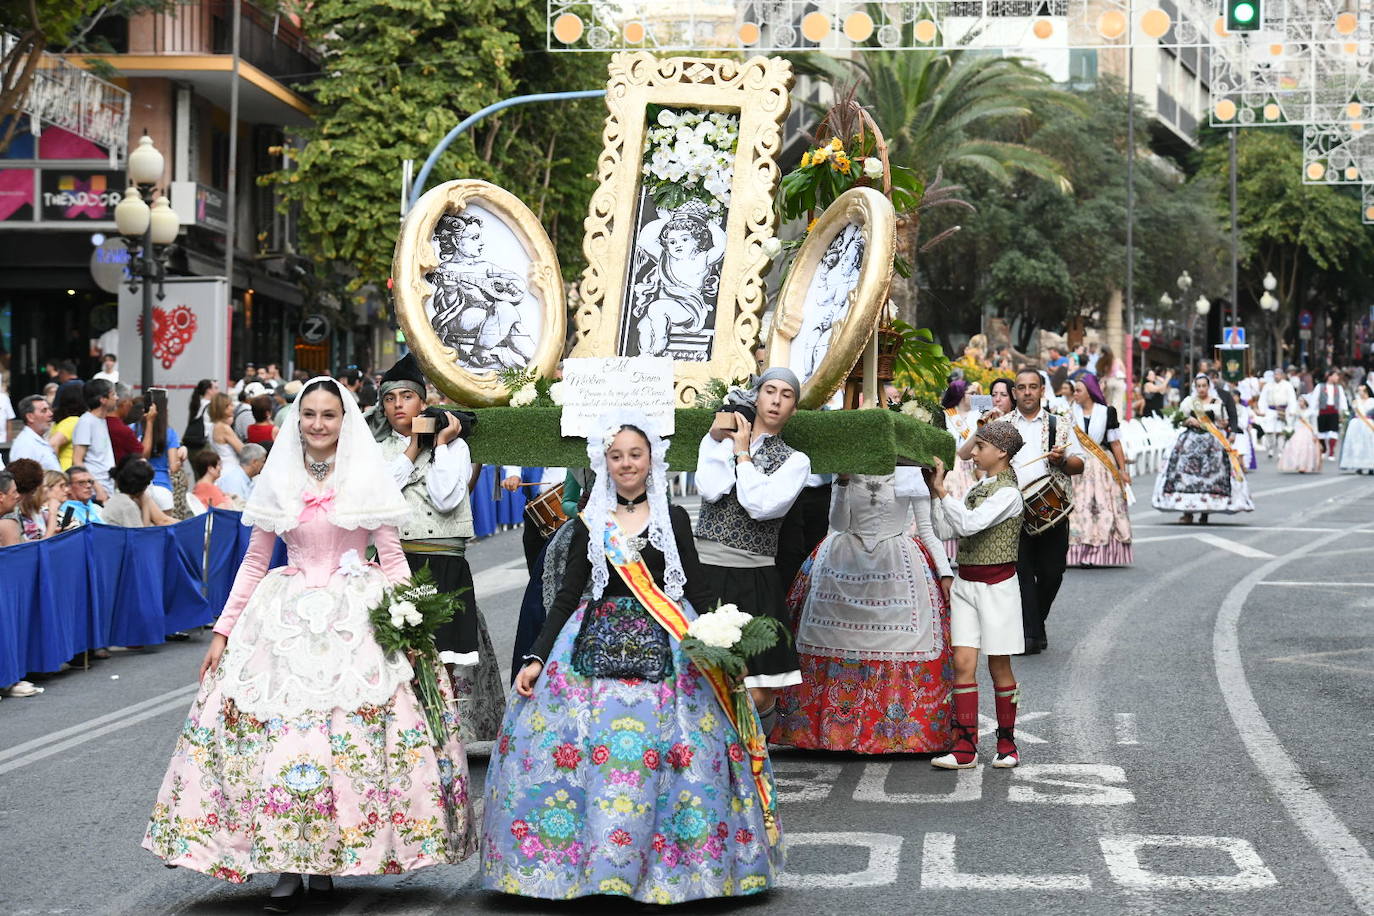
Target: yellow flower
x,y
841,163
615,886
707,722
510,884
750,882
812,225
820,155
629,723
660,896
836,144
538,722
806,159
622,804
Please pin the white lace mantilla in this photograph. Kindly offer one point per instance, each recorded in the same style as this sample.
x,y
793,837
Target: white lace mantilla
x,y
298,649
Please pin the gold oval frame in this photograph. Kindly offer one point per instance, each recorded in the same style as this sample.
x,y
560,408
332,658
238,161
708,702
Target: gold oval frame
x,y
872,212
415,257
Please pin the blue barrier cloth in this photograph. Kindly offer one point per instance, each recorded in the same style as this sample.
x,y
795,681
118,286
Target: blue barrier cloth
x,y
101,586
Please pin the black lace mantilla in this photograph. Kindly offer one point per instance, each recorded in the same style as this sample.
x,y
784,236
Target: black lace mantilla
x,y
619,639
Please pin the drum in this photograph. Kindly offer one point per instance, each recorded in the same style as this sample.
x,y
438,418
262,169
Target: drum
x,y
546,511
1048,500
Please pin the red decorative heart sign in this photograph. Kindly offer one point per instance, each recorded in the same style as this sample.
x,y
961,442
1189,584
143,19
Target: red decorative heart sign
x,y
172,331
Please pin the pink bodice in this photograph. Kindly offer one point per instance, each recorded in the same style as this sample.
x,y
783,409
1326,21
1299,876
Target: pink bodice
x,y
315,549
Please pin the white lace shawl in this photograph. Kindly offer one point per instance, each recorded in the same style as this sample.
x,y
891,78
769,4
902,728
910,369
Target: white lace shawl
x,y
365,494
601,502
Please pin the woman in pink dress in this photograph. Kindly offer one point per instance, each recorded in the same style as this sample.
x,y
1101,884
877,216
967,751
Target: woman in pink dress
x,y
306,752
1302,453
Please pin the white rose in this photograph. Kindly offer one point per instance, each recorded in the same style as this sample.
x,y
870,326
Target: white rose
x,y
403,611
413,618
556,393
667,118
523,397
772,247
873,167
714,630
397,620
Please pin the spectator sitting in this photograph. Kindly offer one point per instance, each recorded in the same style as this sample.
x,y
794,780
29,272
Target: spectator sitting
x,y
59,491
31,441
123,439
176,498
70,406
243,413
91,438
80,497
109,370
262,431
131,507
251,459
206,466
35,521
11,525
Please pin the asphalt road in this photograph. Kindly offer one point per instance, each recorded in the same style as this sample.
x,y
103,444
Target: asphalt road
x,y
1194,741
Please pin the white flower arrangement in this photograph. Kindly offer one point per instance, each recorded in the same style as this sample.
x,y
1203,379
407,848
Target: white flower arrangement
x,y
523,396
873,167
721,628
404,613
556,393
692,153
916,411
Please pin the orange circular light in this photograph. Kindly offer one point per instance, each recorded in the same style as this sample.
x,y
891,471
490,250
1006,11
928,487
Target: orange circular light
x,y
1354,110
1155,23
1316,171
1220,27
1369,214
858,26
567,28
1347,23
1276,50
634,32
1350,47
1042,29
1225,110
1357,126
1111,24
925,31
1351,173
815,26
1271,112
749,33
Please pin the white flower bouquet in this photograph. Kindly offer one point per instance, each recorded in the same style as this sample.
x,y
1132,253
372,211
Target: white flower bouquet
x,y
690,155
405,620
723,640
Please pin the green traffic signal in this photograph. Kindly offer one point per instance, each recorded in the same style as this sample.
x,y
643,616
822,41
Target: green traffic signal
x,y
1242,15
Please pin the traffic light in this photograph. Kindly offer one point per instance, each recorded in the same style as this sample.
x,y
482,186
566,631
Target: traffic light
x,y
1243,15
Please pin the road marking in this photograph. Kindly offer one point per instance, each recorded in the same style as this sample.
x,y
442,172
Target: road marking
x,y
968,787
1310,659
1344,855
884,855
939,872
803,781
1122,853
38,748
1126,732
1296,487
1109,791
1296,584
1283,529
1244,550
988,725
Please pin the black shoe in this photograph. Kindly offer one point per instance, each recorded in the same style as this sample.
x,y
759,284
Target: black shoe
x,y
1044,642
1033,646
178,636
321,886
285,902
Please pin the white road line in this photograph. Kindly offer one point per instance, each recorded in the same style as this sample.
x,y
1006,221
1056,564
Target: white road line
x,y
1284,529
1347,859
884,857
939,872
1295,584
1244,550
119,715
1294,488
1122,854
175,700
1126,732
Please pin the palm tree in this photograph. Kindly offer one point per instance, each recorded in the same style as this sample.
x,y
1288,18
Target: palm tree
x,y
944,111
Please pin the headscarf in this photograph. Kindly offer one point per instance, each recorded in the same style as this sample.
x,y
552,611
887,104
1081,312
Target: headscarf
x,y
781,374
1090,382
954,394
365,493
1002,434
601,501
405,374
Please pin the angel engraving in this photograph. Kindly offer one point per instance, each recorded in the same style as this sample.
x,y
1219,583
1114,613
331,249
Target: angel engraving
x,y
677,278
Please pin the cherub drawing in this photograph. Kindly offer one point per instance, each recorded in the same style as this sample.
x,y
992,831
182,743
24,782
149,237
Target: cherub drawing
x,y
827,301
476,302
678,281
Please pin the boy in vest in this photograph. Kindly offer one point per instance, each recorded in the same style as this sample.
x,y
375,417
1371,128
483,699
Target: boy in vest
x,y
985,602
434,481
748,481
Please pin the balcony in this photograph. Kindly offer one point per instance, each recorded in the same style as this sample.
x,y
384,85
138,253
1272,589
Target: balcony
x,y
70,98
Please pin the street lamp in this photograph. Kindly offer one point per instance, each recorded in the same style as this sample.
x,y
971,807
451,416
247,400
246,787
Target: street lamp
x,y
1185,282
1200,309
148,233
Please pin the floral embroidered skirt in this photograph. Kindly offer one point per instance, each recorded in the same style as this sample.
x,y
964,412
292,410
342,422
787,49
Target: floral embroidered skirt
x,y
1199,477
622,786
1100,524
865,706
338,792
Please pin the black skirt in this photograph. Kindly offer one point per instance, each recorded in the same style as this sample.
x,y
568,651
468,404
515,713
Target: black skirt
x,y
1329,422
452,575
757,590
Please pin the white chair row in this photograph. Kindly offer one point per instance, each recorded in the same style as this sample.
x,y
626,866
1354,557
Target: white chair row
x,y
1147,442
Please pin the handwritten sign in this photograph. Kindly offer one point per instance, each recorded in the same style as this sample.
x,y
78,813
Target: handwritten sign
x,y
595,386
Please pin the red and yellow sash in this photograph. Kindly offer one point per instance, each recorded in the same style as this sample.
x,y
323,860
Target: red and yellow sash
x,y
1237,465
1098,452
670,616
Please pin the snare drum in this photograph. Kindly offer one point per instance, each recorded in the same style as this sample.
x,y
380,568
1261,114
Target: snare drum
x,y
1048,500
546,511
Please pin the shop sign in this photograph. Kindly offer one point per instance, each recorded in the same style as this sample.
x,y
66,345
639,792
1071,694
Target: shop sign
x,y
201,205
79,194
314,328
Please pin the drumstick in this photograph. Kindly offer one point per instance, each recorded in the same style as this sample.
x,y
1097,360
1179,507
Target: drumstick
x,y
1035,459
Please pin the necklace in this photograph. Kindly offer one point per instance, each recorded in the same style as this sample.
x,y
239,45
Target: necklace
x,y
631,504
319,469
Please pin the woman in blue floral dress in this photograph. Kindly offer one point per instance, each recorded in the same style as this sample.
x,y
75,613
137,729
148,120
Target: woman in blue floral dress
x,y
616,770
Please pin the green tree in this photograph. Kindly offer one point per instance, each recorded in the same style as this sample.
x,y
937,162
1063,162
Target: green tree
x,y
1309,236
398,77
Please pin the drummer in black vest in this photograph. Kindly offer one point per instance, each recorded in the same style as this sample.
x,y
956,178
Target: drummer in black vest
x,y
748,481
1051,450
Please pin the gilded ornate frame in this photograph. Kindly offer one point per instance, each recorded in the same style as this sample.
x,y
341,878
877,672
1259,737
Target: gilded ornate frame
x,y
758,89
415,257
870,210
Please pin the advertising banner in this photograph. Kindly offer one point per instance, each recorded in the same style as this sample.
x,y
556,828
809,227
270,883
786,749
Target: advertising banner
x,y
190,338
